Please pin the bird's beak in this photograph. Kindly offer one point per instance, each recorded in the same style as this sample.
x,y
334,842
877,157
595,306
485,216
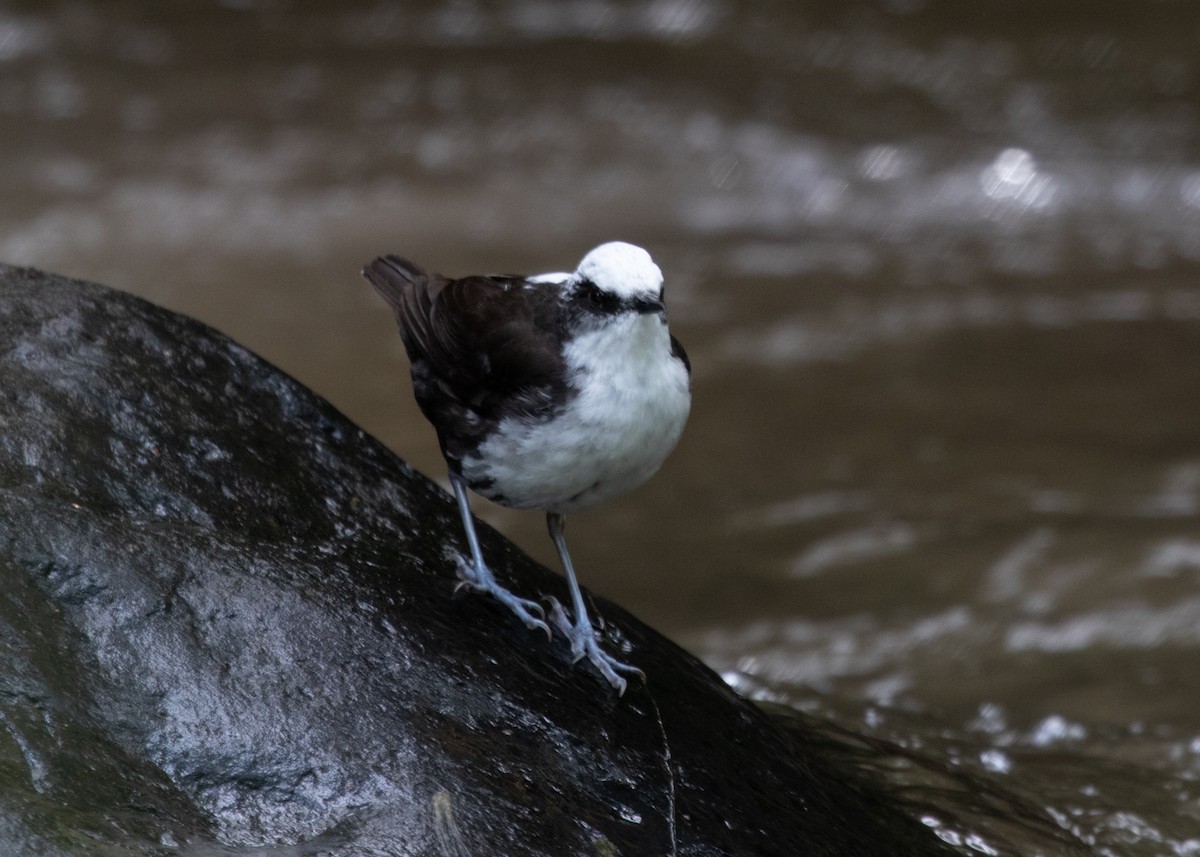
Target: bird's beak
x,y
647,306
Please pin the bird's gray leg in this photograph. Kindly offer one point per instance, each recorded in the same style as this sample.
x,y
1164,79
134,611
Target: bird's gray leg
x,y
479,577
580,632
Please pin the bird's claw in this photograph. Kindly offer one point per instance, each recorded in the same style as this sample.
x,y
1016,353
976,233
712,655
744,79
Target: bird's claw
x,y
611,668
529,612
585,642
559,618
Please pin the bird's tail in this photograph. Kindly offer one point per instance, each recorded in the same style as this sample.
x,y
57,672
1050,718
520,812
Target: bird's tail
x,y
392,276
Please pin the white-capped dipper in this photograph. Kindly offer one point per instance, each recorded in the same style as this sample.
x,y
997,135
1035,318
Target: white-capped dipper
x,y
553,392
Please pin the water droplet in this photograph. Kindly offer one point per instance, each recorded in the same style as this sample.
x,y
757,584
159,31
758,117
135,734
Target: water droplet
x,y
629,815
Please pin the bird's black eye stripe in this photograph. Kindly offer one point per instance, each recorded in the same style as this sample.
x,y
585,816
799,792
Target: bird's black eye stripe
x,y
598,299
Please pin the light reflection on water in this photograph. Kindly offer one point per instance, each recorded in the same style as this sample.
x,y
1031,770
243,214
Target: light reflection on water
x,y
945,264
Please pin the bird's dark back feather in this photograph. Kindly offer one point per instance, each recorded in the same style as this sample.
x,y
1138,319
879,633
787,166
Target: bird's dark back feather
x,y
410,291
481,348
677,351
391,275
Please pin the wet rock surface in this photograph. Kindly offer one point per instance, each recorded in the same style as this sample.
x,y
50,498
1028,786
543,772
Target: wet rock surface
x,y
227,620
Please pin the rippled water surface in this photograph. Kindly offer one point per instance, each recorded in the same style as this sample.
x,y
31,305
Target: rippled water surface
x,y
936,265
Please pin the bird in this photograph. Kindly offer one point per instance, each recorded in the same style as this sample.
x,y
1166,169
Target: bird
x,y
555,391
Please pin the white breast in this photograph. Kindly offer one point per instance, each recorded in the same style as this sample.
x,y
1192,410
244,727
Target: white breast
x,y
632,404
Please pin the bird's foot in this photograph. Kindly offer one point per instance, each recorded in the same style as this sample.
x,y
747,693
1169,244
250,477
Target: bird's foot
x,y
559,619
482,580
585,642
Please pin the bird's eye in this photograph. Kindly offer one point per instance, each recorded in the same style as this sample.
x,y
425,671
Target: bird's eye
x,y
599,299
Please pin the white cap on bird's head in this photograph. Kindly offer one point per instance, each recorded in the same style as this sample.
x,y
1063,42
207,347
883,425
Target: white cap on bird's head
x,y
622,269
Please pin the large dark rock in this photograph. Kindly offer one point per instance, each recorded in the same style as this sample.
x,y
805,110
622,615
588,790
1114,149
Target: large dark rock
x,y
227,616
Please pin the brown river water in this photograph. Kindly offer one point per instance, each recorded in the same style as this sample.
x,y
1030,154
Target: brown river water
x,y
937,266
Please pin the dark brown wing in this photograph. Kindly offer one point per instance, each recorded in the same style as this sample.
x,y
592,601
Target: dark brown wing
x,y
677,351
482,348
410,291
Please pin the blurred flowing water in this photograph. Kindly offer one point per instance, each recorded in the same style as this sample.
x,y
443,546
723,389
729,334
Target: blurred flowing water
x,y
936,265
